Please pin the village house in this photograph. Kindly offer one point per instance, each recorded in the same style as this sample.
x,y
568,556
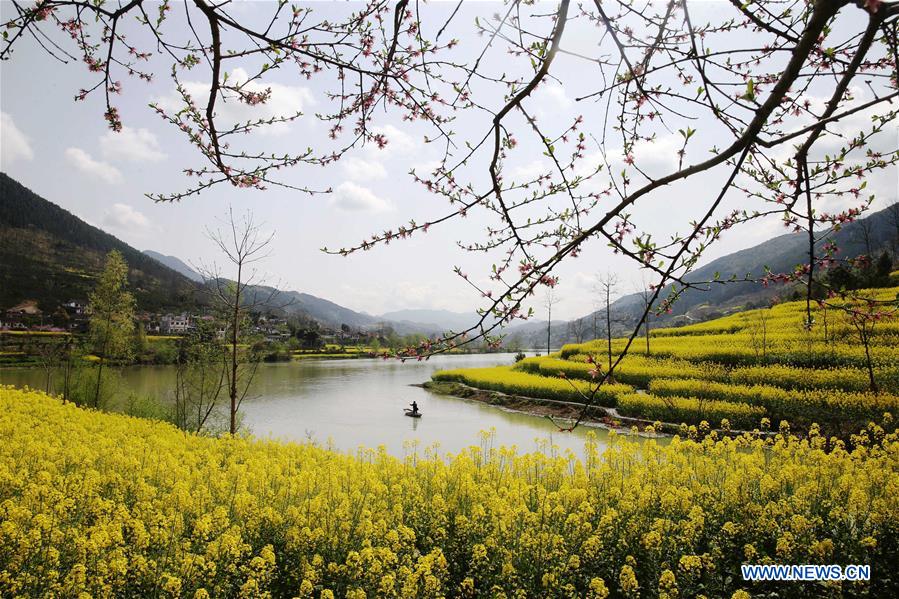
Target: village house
x,y
175,324
75,307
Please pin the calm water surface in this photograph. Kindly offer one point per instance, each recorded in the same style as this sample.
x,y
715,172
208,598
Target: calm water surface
x,y
359,402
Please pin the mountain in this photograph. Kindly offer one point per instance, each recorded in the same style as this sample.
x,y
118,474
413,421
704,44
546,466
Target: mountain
x,y
49,255
335,315
443,320
175,264
877,232
327,312
871,235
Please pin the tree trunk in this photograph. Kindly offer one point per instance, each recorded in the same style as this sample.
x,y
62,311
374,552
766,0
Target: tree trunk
x,y
103,351
609,326
646,328
549,321
871,380
99,380
67,371
234,325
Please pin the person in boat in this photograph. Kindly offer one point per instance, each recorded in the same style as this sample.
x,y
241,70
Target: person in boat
x,y
414,407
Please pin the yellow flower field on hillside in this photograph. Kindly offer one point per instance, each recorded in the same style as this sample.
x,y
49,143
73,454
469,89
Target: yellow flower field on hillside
x,y
741,368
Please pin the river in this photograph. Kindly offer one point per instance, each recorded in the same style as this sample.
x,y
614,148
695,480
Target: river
x,y
359,402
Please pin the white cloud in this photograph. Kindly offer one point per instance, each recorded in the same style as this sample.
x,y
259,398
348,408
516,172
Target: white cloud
x,y
285,100
125,219
425,169
86,164
398,142
136,145
656,158
361,170
522,173
355,198
585,280
551,99
13,143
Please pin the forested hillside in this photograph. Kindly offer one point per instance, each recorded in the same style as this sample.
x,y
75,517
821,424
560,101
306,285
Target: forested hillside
x,y
50,255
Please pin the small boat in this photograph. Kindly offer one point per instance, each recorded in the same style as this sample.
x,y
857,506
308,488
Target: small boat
x,y
412,414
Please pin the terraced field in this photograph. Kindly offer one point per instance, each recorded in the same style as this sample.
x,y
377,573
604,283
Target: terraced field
x,y
749,369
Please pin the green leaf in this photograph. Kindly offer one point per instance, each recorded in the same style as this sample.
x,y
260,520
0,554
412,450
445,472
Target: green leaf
x,y
750,90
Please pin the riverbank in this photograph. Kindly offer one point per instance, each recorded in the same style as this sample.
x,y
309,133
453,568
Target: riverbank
x,y
550,408
43,349
597,416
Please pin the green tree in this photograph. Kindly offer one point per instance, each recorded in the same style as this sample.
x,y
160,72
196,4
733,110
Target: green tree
x,y
140,341
112,317
882,269
840,277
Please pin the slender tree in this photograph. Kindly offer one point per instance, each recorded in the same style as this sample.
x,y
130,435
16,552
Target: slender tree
x,y
201,377
864,317
50,352
758,334
67,363
577,328
243,245
648,296
606,284
550,299
111,317
866,236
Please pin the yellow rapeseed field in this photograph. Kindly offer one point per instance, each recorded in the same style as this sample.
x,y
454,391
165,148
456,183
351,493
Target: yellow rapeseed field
x,y
508,380
103,505
744,367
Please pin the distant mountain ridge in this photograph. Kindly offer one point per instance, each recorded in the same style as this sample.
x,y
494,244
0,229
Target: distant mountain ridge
x,y
872,234
49,255
444,320
175,264
876,232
